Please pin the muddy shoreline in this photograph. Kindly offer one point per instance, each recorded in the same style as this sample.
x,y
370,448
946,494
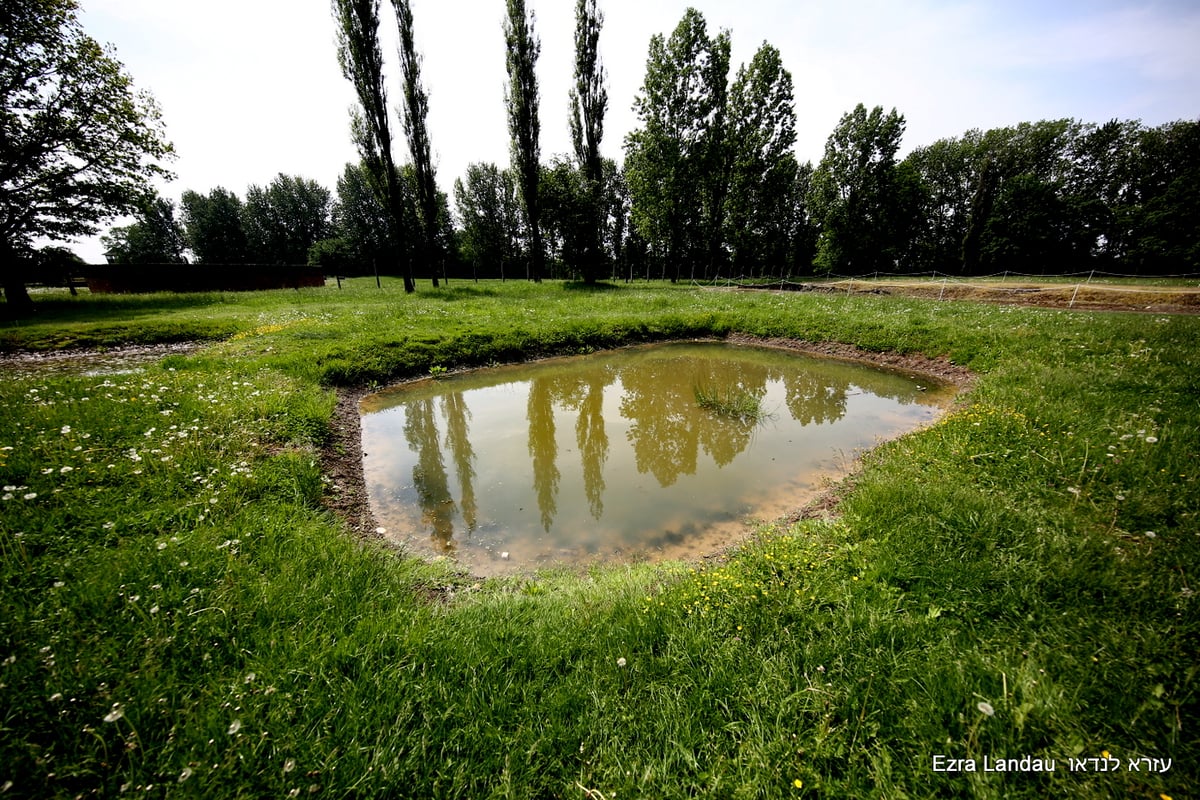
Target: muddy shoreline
x,y
341,458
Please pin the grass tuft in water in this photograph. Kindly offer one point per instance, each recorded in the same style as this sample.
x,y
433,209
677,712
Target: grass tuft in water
x,y
735,403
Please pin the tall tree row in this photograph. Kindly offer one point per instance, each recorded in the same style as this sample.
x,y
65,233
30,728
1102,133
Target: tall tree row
x,y
1058,196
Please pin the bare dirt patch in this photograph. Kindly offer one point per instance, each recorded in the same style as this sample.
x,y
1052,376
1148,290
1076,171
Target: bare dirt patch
x,y
1075,296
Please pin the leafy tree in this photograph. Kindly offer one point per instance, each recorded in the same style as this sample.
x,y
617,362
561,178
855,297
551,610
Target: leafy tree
x,y
1098,189
946,169
1030,153
332,255
589,101
416,130
568,217
615,214
362,222
285,219
489,210
522,48
361,61
1165,201
762,122
156,237
802,231
855,194
78,145
57,265
213,227
675,161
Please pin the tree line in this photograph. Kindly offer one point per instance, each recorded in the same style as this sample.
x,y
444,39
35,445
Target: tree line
x,y
709,185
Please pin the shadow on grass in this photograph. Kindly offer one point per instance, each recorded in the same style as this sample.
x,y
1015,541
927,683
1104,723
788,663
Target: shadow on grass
x,y
459,291
580,286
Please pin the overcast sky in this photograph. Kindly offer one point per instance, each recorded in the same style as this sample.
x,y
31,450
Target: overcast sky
x,y
252,88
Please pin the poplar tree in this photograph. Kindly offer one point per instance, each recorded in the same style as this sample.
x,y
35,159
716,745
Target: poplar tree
x,y
361,60
521,96
416,130
589,101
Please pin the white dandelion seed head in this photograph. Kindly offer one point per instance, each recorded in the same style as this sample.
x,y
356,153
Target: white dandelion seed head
x,y
621,661
234,727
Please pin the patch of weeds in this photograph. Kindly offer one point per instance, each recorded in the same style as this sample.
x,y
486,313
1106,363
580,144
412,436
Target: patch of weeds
x,y
735,403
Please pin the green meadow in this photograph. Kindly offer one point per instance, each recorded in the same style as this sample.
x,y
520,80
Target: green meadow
x,y
1008,591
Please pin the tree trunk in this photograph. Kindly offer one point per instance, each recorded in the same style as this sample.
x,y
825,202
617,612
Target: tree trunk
x,y
17,302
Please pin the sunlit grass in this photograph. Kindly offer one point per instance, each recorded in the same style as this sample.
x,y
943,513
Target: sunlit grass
x,y
182,617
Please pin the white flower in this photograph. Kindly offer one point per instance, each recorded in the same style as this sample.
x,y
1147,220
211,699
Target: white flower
x,y
234,727
117,712
986,708
29,495
1151,535
187,773
621,661
1151,439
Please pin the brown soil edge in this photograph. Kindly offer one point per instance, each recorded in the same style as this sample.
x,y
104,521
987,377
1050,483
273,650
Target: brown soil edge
x,y
1073,296
341,458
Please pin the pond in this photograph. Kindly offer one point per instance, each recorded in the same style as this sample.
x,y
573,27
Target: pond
x,y
621,455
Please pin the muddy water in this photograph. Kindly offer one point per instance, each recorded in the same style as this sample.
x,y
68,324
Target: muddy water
x,y
610,457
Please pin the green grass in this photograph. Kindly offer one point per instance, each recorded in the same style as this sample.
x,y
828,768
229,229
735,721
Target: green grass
x,y
180,613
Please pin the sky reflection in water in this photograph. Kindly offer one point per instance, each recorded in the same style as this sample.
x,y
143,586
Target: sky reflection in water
x,y
610,457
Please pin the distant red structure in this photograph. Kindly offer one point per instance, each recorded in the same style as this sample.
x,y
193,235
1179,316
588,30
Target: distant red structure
x,y
145,278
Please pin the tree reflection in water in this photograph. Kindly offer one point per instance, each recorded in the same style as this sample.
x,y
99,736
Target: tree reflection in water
x,y
634,415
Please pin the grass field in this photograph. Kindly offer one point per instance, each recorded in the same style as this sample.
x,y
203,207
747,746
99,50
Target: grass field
x,y
182,616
